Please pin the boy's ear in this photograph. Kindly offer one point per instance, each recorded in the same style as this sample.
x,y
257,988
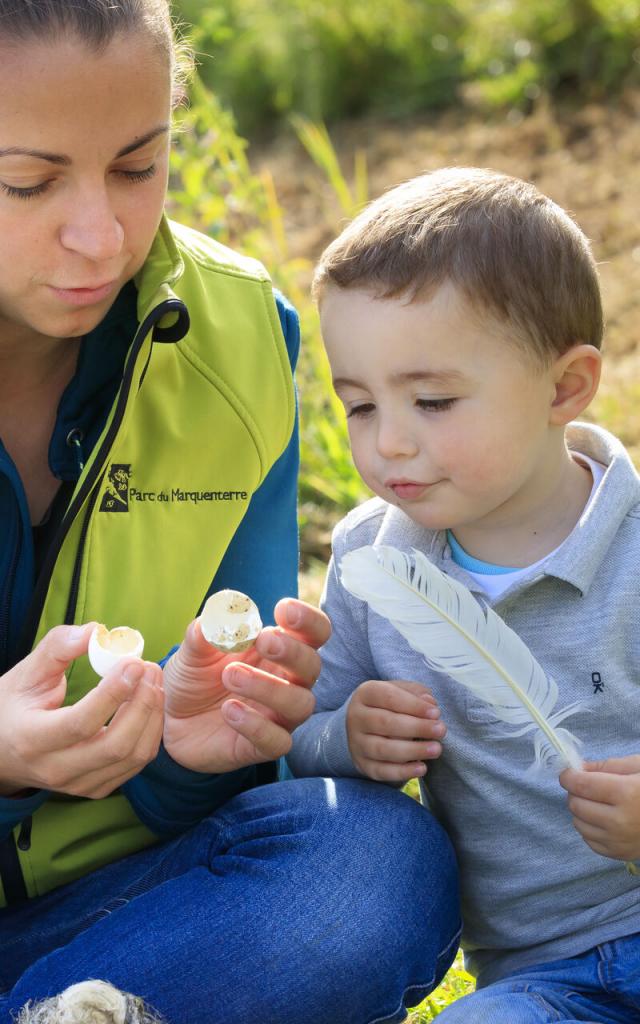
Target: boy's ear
x,y
576,375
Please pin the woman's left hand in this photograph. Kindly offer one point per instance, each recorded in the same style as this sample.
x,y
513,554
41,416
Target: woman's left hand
x,y
227,711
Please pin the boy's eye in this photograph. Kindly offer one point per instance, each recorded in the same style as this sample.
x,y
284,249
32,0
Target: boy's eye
x,y
363,409
435,404
24,193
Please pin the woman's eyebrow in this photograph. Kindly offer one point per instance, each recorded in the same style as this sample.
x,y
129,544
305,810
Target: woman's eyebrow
x,y
65,161
142,141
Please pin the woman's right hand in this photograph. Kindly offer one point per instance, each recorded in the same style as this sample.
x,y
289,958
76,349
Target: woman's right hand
x,y
90,748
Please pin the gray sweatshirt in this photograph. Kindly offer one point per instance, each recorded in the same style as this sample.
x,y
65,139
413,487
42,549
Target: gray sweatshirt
x,y
532,890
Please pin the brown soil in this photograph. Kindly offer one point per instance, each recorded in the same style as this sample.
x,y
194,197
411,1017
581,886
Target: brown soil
x,y
587,160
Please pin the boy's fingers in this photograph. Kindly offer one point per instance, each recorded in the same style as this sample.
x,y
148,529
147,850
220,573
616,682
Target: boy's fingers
x,y
590,812
592,785
380,748
615,765
375,722
400,697
382,771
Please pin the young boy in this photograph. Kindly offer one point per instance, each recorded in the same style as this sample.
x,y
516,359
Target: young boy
x,y
462,318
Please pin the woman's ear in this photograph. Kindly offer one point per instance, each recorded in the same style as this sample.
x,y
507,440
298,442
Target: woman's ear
x,y
576,374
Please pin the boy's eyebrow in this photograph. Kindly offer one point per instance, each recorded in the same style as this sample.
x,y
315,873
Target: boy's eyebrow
x,y
65,161
428,376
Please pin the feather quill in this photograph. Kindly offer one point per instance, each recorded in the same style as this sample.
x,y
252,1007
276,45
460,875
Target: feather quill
x,y
457,635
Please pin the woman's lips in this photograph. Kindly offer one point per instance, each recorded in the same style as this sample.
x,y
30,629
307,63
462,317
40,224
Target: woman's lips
x,y
84,296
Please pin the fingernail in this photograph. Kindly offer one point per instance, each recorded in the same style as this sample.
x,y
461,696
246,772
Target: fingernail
x,y
235,712
74,634
271,644
293,615
236,678
133,673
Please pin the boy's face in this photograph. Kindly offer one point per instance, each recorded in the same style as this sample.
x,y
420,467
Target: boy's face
x,y
447,418
83,171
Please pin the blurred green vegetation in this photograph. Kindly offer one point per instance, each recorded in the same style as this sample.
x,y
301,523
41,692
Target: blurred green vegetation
x,y
213,188
327,59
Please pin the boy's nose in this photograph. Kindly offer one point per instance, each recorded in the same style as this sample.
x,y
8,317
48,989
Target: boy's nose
x,y
93,231
394,440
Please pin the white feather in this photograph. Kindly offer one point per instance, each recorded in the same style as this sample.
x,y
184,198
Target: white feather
x,y
456,635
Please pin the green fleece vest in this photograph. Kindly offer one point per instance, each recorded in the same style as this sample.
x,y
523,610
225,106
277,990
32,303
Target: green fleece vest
x,y
195,429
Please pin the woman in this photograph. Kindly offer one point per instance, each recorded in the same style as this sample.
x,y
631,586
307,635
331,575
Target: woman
x,y
148,421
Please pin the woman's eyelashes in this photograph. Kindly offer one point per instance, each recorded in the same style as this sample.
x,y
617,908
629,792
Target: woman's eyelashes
x,y
24,193
31,191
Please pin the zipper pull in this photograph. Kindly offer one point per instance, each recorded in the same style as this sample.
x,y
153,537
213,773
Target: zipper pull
x,y
24,836
74,439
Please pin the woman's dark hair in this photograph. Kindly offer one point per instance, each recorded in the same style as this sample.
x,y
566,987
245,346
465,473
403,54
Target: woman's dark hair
x,y
95,23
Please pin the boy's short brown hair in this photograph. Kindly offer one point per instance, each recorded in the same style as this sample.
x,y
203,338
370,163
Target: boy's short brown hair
x,y
509,249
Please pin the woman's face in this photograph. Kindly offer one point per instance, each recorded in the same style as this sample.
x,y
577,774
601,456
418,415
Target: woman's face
x,y
84,141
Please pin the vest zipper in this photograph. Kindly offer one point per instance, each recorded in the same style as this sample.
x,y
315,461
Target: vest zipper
x,y
77,565
15,890
96,472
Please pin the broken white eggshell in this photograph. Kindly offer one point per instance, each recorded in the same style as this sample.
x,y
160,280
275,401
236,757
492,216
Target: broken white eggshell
x,y
230,621
109,646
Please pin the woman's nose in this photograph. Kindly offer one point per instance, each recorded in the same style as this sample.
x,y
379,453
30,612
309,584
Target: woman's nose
x,y
93,230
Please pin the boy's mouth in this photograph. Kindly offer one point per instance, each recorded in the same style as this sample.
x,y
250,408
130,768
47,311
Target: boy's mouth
x,y
407,489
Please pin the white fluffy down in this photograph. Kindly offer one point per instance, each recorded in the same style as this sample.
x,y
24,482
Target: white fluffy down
x,y
89,1002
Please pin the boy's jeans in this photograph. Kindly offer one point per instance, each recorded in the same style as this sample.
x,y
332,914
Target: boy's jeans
x,y
316,900
601,986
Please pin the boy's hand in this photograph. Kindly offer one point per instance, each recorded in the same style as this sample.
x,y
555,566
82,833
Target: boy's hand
x,y
393,727
604,799
207,731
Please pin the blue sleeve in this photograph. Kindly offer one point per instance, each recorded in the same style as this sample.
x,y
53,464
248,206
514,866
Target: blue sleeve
x,y
262,561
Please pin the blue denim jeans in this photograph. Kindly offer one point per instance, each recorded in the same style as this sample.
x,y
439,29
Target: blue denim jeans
x,y
601,986
316,900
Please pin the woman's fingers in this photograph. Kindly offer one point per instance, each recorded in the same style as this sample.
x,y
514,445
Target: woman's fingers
x,y
290,657
292,703
310,625
269,739
126,737
66,726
